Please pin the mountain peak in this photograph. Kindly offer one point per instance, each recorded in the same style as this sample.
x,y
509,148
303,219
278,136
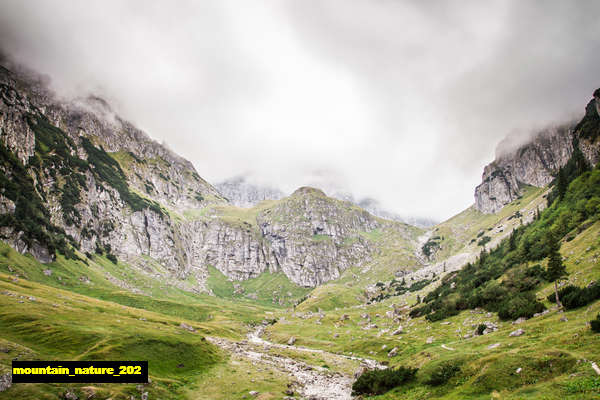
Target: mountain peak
x,y
308,190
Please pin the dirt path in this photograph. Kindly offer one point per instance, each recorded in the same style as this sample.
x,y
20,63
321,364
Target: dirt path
x,y
311,382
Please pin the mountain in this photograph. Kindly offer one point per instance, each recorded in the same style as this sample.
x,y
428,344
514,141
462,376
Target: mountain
x,y
537,161
77,179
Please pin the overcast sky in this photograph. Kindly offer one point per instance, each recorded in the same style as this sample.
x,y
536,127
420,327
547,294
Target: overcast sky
x,y
403,101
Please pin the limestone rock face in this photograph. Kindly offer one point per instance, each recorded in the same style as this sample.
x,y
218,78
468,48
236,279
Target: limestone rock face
x,y
235,250
499,187
313,238
536,161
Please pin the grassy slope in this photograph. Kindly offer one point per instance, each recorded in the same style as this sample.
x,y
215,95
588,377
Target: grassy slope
x,y
77,313
56,324
460,232
268,288
73,318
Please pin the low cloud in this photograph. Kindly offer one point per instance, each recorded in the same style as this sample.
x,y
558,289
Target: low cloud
x,y
401,101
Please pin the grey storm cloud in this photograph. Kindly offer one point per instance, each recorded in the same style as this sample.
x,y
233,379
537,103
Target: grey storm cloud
x,y
402,101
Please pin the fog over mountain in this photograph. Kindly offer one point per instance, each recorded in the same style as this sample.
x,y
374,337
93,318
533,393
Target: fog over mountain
x,y
405,101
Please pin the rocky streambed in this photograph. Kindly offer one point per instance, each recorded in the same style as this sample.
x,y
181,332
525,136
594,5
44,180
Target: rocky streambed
x,y
311,382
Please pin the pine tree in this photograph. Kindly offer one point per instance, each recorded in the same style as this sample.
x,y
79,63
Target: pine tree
x,y
581,164
512,245
562,184
556,269
482,257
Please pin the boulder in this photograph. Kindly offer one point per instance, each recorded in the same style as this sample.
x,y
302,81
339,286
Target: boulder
x,y
70,395
393,352
5,381
398,331
187,327
518,332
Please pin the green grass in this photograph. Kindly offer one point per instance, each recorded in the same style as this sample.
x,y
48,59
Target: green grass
x,y
320,238
269,288
235,379
57,324
375,235
219,283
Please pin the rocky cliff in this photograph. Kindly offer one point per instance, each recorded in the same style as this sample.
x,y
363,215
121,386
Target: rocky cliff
x,y
537,161
76,179
313,238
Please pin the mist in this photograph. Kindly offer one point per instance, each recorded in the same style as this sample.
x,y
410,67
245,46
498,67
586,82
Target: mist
x,y
401,101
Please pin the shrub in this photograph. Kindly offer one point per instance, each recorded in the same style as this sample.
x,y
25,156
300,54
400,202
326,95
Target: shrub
x,y
573,297
595,324
443,373
520,305
112,257
441,314
484,240
481,328
419,285
99,249
380,381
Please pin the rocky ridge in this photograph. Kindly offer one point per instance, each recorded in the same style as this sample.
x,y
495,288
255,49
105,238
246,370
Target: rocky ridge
x,y
242,193
537,162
